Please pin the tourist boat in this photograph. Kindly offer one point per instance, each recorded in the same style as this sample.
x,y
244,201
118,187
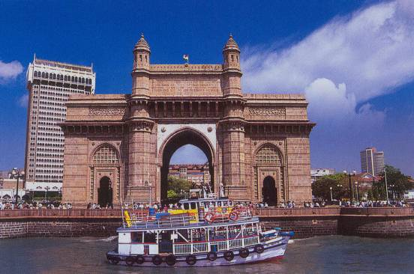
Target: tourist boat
x,y
204,232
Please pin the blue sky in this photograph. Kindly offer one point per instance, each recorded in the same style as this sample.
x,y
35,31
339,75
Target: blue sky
x,y
352,59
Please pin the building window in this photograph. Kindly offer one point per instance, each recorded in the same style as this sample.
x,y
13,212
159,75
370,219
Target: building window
x,y
105,155
268,155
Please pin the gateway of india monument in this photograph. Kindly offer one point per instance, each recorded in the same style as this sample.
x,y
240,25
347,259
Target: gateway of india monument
x,y
118,147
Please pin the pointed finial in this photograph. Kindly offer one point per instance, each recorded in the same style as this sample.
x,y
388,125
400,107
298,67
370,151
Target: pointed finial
x,y
142,44
231,44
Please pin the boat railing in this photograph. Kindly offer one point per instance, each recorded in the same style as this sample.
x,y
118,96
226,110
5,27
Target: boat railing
x,y
223,245
161,222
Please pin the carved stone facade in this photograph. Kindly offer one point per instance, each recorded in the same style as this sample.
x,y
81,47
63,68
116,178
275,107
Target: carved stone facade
x,y
257,145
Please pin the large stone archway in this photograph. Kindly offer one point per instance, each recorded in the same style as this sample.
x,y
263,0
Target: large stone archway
x,y
176,104
183,136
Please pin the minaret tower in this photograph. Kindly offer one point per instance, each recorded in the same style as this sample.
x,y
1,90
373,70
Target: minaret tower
x,y
141,68
233,123
232,68
141,169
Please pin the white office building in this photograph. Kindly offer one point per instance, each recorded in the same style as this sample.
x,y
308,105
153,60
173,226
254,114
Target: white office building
x,y
50,83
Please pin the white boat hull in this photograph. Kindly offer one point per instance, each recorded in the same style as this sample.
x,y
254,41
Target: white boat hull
x,y
273,250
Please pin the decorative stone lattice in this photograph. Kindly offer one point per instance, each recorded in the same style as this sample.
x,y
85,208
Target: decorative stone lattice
x,y
105,155
267,111
98,111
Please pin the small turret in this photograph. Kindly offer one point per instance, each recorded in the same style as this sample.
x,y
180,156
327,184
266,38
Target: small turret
x,y
141,68
142,54
231,54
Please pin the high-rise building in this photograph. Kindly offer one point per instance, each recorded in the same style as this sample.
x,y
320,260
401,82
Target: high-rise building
x,y
50,83
372,161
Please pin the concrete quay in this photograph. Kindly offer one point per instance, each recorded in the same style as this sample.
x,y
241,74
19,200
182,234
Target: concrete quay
x,y
384,222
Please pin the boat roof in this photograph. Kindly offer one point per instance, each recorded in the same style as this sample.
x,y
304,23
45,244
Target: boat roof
x,y
153,226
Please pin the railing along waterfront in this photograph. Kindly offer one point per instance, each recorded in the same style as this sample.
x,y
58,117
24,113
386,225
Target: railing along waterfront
x,y
262,213
334,211
57,213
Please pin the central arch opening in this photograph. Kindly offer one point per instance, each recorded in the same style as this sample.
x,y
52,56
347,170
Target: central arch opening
x,y
182,146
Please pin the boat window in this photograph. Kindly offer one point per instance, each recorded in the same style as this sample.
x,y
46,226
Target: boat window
x,y
137,237
199,234
193,205
186,206
183,233
149,237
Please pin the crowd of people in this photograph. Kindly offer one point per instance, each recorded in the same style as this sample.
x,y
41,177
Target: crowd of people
x,y
10,205
34,205
96,206
370,203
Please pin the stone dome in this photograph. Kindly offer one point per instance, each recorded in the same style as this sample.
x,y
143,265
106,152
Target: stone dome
x,y
231,44
142,44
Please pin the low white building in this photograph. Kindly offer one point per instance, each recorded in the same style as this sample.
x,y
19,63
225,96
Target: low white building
x,y
318,173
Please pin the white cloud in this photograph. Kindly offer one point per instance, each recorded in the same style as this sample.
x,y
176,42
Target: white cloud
x,y
371,52
24,100
10,70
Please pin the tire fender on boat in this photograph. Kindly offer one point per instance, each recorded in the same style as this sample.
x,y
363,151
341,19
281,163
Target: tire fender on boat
x,y
171,260
129,260
157,260
228,255
212,256
259,248
244,252
139,259
114,260
191,259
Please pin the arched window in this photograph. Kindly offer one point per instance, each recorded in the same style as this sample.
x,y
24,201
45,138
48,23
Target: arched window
x,y
268,155
105,155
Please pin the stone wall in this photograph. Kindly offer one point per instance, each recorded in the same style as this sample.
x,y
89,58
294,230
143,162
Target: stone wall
x,y
365,222
42,227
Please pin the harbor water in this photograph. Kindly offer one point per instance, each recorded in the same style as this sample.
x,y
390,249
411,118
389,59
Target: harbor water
x,y
328,254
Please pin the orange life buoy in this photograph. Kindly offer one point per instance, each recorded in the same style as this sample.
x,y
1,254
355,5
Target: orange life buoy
x,y
234,216
209,217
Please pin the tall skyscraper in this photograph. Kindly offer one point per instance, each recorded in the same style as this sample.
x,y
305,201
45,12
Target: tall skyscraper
x,y
372,161
50,83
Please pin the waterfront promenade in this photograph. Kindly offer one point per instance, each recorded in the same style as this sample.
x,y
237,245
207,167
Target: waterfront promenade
x,y
305,222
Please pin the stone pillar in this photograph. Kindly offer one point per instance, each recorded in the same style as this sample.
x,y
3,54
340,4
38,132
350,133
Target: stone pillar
x,y
141,162
233,134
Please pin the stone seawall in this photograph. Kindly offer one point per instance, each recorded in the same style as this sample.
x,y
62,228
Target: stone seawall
x,y
367,222
56,227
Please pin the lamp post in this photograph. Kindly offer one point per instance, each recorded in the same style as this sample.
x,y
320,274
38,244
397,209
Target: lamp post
x,y
331,193
393,191
32,194
357,190
386,186
17,174
150,189
46,193
350,174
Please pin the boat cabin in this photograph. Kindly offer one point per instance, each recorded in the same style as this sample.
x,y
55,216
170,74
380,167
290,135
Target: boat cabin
x,y
186,240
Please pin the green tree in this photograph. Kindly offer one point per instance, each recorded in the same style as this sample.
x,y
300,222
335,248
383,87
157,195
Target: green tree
x,y
321,187
370,195
398,183
177,187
